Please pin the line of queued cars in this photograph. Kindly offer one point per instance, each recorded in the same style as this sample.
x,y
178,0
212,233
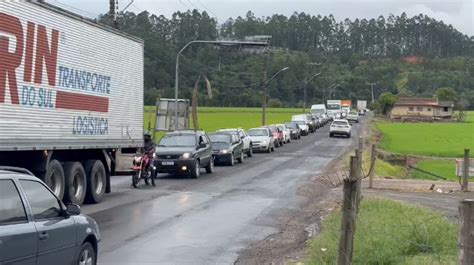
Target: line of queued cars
x,y
185,152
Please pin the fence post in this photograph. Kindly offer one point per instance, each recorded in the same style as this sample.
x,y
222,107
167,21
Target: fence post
x,y
372,160
348,218
465,172
466,232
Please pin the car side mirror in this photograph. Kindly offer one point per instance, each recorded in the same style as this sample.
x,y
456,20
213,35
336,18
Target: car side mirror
x,y
202,145
73,209
242,137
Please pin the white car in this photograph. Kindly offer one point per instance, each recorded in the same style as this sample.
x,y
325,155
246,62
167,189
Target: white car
x,y
262,139
247,149
303,126
340,127
353,116
286,132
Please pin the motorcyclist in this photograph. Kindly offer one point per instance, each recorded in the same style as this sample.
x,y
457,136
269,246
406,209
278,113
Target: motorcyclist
x,y
150,146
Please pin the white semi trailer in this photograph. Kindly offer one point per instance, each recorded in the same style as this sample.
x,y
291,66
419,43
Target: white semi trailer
x,y
71,97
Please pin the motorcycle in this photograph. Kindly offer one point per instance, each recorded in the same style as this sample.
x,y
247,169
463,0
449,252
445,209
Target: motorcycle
x,y
143,169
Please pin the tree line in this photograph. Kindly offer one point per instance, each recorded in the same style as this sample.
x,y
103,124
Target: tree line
x,y
405,56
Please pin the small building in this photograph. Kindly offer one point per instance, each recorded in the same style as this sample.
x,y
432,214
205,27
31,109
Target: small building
x,y
422,109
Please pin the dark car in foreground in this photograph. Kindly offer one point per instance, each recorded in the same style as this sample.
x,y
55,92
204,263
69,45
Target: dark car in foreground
x,y
184,152
295,130
37,228
226,148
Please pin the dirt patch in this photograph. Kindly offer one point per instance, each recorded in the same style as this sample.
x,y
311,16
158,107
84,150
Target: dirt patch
x,y
289,245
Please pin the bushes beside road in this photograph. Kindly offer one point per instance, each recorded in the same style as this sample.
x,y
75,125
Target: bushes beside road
x,y
390,232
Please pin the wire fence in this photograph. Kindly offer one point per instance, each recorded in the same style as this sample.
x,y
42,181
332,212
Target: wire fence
x,y
336,177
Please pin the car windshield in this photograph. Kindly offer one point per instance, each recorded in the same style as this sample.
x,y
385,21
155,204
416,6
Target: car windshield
x,y
300,122
281,127
220,138
291,125
320,111
272,129
333,106
177,140
339,123
258,132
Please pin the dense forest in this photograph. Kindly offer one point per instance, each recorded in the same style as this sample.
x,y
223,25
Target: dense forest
x,y
402,55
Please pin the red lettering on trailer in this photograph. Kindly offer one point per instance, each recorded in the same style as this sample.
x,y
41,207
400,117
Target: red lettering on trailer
x,y
46,55
30,40
10,61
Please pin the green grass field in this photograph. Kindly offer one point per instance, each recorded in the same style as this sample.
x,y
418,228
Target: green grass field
x,y
444,168
429,139
212,118
390,232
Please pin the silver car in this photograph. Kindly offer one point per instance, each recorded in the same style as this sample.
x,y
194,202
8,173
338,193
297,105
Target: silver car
x,y
37,228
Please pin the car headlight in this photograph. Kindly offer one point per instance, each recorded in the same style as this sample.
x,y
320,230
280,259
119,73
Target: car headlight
x,y
186,155
225,151
265,142
154,155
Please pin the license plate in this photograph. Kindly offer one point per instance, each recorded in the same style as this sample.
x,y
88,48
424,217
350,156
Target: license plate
x,y
167,163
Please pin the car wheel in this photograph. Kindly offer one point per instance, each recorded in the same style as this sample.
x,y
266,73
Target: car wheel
x,y
250,151
87,255
331,135
232,160
96,180
349,135
269,150
273,148
196,170
76,183
210,167
54,178
241,158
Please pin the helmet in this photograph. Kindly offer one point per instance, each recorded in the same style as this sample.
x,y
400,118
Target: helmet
x,y
147,136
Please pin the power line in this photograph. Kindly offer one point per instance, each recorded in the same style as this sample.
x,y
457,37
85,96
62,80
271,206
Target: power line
x,y
209,10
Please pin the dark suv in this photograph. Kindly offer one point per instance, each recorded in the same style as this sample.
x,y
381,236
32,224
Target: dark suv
x,y
184,152
37,228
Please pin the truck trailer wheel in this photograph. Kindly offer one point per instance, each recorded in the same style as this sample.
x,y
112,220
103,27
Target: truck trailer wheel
x,y
54,178
96,180
76,183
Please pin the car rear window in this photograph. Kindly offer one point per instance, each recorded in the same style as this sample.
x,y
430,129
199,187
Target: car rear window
x,y
339,123
11,206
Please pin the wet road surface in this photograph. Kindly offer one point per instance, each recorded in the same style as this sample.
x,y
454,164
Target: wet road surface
x,y
208,220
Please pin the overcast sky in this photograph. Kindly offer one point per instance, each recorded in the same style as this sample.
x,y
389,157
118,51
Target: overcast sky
x,y
459,13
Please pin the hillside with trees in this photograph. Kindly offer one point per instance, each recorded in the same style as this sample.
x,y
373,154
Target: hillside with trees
x,y
398,54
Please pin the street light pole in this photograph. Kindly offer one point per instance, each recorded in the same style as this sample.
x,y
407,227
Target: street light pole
x,y
265,85
305,88
176,74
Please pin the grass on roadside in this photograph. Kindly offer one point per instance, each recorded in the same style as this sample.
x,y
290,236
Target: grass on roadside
x,y
390,232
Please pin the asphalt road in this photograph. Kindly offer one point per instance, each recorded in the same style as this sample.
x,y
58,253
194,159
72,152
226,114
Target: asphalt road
x,y
210,219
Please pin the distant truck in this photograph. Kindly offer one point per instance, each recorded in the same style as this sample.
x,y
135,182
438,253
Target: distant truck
x,y
71,98
318,109
361,106
333,108
346,105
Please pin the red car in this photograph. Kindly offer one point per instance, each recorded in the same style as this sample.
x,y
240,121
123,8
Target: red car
x,y
277,134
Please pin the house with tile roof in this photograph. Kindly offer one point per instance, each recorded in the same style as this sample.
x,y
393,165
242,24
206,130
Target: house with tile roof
x,y
422,108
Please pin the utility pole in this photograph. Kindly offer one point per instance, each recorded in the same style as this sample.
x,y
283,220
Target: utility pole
x,y
113,7
304,96
372,88
264,84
